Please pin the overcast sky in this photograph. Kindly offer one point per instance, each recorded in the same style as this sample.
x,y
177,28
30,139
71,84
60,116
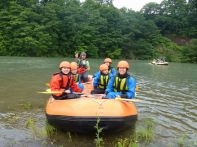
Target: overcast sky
x,y
133,4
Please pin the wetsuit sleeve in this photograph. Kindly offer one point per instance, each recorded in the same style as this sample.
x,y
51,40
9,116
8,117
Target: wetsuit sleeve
x,y
110,84
87,64
55,85
96,79
131,87
113,72
75,87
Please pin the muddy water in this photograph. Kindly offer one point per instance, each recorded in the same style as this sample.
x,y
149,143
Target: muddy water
x,y
169,95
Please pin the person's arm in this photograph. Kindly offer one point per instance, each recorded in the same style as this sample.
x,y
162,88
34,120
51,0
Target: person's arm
x,y
55,85
113,72
110,85
96,79
79,78
76,56
75,87
131,87
78,61
88,65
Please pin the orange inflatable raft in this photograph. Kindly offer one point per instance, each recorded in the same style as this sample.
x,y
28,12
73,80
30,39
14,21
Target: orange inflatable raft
x,y
81,114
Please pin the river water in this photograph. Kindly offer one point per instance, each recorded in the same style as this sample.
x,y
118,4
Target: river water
x,y
169,95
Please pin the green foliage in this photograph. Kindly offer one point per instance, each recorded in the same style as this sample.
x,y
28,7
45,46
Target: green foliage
x,y
190,51
26,105
181,141
168,49
146,133
126,143
115,53
30,123
43,132
60,27
170,16
50,130
99,140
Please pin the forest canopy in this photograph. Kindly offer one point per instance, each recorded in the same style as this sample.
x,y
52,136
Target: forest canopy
x,y
61,27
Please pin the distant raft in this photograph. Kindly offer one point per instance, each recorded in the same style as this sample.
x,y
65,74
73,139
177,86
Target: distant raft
x,y
160,63
81,115
155,62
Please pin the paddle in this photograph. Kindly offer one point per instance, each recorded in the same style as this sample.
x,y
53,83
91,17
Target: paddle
x,y
93,95
118,98
123,99
48,91
137,88
47,84
129,100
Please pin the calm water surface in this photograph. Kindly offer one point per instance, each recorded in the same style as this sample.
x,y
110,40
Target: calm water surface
x,y
169,94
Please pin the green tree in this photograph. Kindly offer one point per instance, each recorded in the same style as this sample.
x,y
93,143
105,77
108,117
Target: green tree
x,y
190,51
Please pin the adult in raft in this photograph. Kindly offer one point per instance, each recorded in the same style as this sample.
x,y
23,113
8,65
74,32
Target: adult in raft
x,y
63,83
122,85
108,62
101,79
84,66
76,76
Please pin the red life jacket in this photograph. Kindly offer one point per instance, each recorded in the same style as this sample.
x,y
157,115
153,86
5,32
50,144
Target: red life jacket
x,y
82,66
81,70
61,82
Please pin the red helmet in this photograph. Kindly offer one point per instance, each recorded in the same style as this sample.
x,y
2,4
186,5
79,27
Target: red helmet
x,y
103,67
73,66
65,64
123,64
108,60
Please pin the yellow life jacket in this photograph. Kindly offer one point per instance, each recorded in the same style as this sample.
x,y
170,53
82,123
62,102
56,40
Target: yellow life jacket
x,y
120,84
103,81
76,78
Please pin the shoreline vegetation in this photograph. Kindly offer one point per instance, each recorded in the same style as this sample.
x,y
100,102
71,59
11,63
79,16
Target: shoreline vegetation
x,y
48,28
142,135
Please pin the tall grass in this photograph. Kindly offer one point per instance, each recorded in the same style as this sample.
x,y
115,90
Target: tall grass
x,y
98,140
46,131
146,133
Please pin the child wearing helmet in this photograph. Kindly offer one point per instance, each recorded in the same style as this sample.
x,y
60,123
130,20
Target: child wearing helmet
x,y
122,85
108,62
76,76
84,66
101,80
63,83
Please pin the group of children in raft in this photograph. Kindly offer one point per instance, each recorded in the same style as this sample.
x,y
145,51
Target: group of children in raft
x,y
106,81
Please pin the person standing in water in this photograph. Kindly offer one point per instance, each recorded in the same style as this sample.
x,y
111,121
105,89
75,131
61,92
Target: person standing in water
x,y
84,66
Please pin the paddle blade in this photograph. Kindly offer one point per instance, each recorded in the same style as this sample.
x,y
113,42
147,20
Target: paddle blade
x,y
137,88
47,84
47,92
